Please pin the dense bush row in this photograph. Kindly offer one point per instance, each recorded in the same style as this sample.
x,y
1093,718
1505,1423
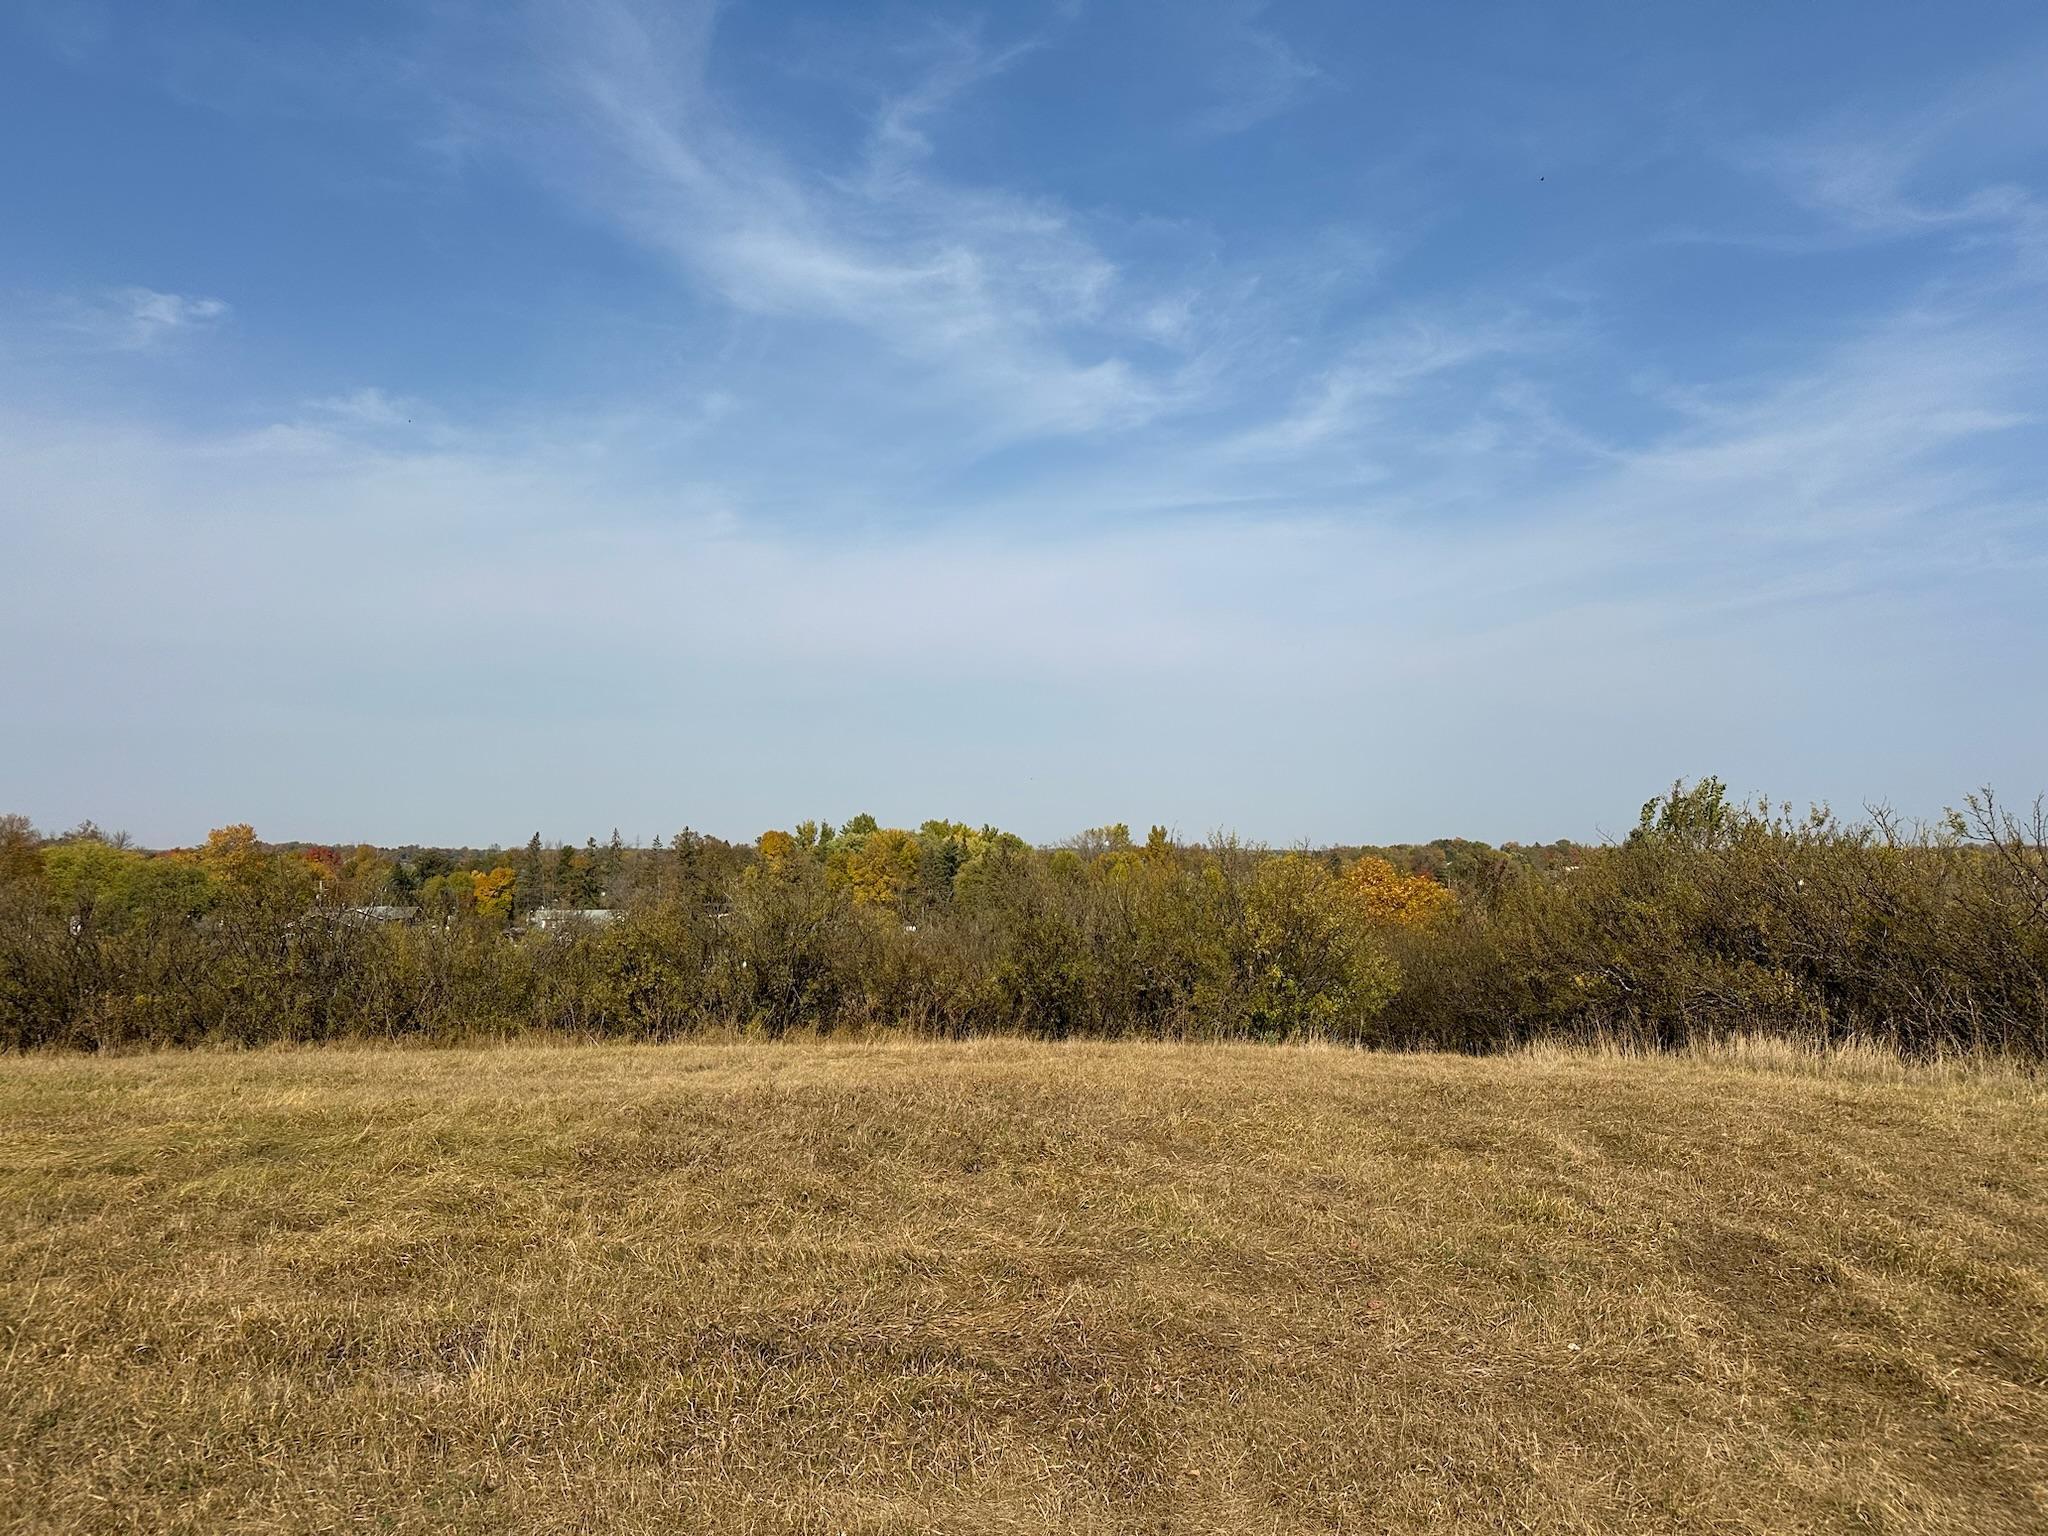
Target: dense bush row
x,y
1715,918
1711,917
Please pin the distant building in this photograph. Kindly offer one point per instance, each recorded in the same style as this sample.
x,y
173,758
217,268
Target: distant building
x,y
570,917
382,914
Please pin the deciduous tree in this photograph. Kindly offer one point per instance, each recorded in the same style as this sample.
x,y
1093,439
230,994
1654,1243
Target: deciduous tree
x,y
1387,898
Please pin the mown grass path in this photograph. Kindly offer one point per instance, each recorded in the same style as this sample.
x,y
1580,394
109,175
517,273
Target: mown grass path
x,y
1016,1287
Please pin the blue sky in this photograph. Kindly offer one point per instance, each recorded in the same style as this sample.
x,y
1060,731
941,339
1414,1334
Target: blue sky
x,y
1329,421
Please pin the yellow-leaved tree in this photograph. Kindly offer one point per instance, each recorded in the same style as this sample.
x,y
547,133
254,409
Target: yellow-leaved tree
x,y
778,850
883,867
1387,898
234,857
494,892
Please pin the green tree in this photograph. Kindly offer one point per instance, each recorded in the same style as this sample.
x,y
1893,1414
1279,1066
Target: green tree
x,y
1311,964
21,855
530,889
96,884
1697,816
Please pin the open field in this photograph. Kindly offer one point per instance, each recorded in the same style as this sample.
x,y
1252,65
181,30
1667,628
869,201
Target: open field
x,y
1018,1287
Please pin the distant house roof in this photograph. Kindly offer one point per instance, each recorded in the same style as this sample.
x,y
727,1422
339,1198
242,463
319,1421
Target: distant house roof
x,y
384,914
547,917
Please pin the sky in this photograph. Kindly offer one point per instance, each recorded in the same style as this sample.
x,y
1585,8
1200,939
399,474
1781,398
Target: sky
x,y
1335,422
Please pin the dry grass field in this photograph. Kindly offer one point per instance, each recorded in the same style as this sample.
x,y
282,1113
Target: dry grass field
x,y
1017,1287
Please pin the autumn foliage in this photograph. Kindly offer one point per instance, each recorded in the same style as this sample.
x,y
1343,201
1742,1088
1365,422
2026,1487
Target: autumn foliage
x,y
1387,898
1712,917
492,892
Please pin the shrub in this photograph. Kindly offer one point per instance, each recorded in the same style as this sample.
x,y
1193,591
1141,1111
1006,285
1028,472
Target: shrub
x,y
1711,917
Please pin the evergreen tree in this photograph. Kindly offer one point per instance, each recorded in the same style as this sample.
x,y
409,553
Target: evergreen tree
x,y
532,888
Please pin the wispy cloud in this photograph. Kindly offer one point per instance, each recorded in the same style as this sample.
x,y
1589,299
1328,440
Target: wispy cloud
x,y
1382,371
995,300
1873,190
389,577
899,138
138,319
903,442
72,29
1925,171
1257,75
366,407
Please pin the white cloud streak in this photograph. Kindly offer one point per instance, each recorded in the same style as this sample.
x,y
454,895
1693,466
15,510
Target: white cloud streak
x,y
1258,75
994,302
135,319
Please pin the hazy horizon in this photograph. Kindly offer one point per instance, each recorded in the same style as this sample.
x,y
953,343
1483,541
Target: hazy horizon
x,y
425,424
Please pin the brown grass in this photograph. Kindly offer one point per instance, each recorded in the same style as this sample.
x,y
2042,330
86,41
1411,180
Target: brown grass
x,y
1017,1287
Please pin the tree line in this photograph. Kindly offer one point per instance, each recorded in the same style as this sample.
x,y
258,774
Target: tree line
x,y
1712,916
